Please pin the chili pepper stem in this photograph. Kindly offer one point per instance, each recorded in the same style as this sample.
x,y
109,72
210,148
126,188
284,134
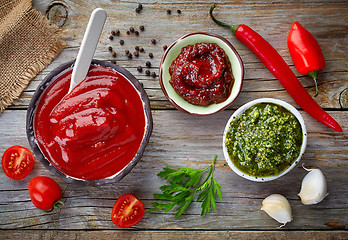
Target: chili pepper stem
x,y
232,27
314,75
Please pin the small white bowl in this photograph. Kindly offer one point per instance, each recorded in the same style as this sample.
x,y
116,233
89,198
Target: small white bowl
x,y
242,109
174,50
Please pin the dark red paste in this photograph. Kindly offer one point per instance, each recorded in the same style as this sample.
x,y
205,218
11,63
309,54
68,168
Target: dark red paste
x,y
96,130
202,74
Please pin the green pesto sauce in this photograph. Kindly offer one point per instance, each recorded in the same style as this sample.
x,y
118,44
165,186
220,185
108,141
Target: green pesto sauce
x,y
265,140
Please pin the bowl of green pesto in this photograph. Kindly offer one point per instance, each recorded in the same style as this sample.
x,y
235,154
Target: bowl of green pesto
x,y
264,139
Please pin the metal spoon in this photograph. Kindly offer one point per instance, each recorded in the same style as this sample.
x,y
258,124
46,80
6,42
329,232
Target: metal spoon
x,y
88,46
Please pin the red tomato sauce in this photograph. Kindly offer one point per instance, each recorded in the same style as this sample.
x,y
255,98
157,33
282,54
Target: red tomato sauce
x,y
202,74
96,130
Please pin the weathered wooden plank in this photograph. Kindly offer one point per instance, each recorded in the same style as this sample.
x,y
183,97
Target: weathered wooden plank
x,y
191,142
326,20
173,235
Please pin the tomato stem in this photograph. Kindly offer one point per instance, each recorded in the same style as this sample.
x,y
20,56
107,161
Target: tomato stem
x,y
232,27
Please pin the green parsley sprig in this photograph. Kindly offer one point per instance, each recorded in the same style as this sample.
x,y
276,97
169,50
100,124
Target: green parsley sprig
x,y
184,183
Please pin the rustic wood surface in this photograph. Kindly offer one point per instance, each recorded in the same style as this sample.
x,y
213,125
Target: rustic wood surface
x,y
179,139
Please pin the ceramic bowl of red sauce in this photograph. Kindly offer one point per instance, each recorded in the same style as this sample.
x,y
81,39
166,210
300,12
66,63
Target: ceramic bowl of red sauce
x,y
201,73
95,134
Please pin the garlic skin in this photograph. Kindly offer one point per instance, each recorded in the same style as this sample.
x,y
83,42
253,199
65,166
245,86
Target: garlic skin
x,y
314,187
277,207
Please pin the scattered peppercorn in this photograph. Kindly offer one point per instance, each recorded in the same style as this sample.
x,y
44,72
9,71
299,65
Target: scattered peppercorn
x,y
114,54
128,32
142,28
129,55
121,42
154,75
136,48
136,33
140,6
151,55
115,32
111,37
178,11
131,29
141,49
113,61
136,54
169,11
126,51
147,72
148,64
110,49
137,10
153,41
165,47
140,69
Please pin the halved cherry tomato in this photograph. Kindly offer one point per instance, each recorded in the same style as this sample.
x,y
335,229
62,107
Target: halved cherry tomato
x,y
127,211
45,192
17,162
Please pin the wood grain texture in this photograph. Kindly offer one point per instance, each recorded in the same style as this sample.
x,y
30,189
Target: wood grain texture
x,y
181,140
173,235
191,142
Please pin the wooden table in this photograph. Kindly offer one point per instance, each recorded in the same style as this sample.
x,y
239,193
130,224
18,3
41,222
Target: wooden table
x,y
181,140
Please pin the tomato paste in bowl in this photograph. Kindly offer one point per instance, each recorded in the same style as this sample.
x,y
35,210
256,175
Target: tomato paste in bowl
x,y
201,73
96,133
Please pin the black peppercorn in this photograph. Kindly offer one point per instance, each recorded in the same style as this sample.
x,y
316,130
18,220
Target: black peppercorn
x,y
151,55
128,32
142,28
114,54
141,49
131,29
129,55
140,69
148,64
153,41
137,10
165,47
154,75
136,48
126,51
140,6
110,49
111,37
169,11
147,72
136,33
178,11
136,54
121,42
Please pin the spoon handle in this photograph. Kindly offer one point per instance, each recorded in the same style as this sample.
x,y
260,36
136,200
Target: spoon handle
x,y
88,46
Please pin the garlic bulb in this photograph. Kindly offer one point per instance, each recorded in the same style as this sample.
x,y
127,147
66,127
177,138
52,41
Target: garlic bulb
x,y
277,207
313,189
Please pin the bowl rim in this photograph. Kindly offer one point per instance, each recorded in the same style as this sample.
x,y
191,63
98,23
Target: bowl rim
x,y
32,110
212,35
242,109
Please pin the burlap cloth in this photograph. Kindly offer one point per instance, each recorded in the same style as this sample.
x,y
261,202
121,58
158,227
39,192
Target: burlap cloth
x,y
28,43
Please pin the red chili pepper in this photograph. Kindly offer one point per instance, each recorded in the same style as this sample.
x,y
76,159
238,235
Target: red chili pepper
x,y
280,69
305,52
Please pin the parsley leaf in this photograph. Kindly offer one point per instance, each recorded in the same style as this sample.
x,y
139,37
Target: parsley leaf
x,y
183,185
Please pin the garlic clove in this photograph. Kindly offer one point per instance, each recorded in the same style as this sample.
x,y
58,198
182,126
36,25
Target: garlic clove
x,y
314,187
277,207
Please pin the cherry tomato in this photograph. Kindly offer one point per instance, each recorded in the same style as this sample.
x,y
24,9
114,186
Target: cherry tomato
x,y
127,211
44,192
17,162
